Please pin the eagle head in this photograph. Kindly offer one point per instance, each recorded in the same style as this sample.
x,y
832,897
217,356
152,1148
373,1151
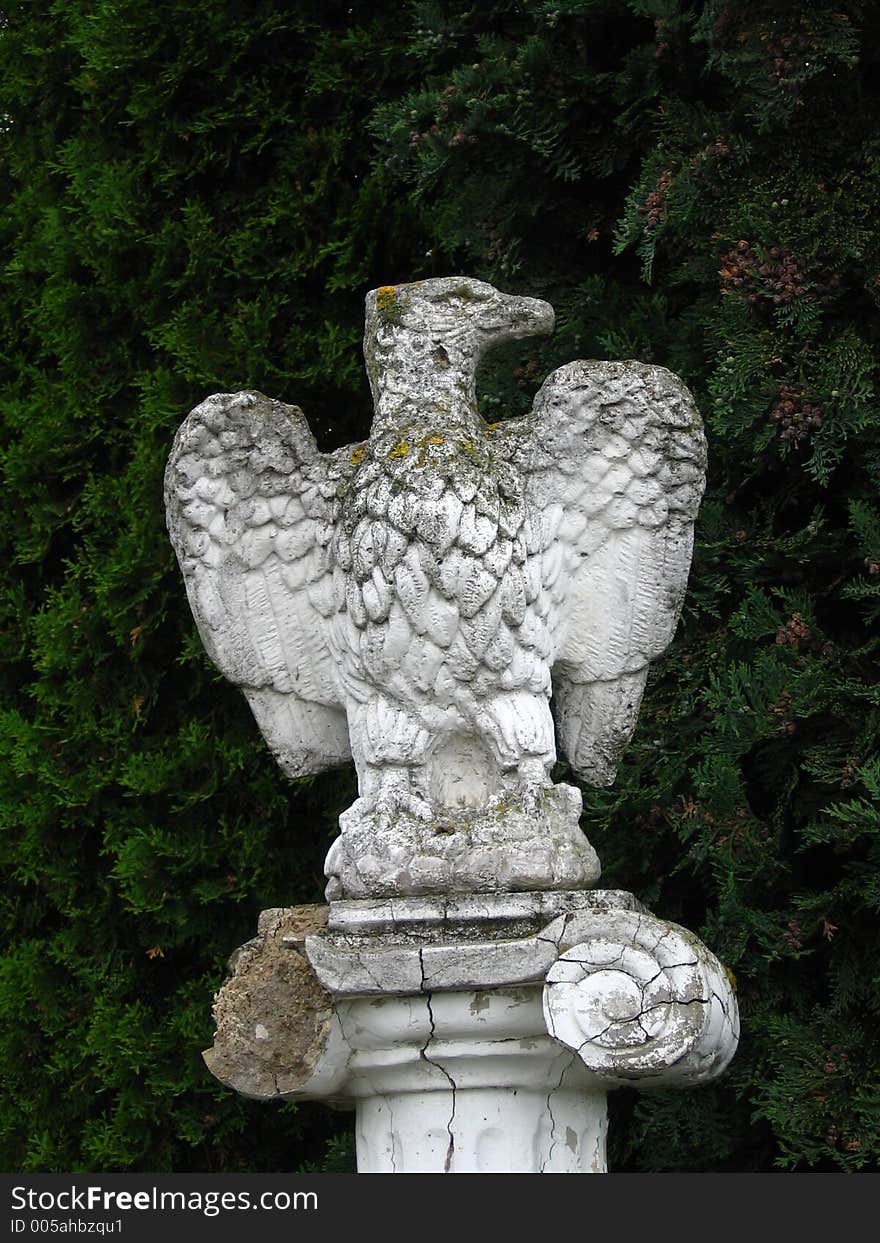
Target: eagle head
x,y
438,329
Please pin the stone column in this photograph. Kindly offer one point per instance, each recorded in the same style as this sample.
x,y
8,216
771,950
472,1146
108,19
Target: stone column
x,y
477,1033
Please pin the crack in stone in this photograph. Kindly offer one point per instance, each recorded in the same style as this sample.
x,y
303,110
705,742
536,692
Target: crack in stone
x,y
345,1036
588,962
637,1018
556,941
546,1162
591,1039
724,1008
670,932
349,1046
380,987
670,966
643,984
423,1053
391,1133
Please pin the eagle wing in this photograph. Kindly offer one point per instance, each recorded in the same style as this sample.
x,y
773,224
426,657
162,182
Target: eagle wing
x,y
613,457
250,505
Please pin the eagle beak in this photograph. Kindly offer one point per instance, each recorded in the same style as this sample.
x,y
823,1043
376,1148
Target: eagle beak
x,y
514,319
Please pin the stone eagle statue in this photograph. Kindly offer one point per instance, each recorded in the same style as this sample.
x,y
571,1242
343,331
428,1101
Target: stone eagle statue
x,y
417,601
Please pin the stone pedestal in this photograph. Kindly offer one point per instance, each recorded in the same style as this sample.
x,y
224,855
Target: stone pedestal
x,y
475,1033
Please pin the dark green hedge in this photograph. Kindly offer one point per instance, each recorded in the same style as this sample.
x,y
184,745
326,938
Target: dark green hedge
x,y
196,197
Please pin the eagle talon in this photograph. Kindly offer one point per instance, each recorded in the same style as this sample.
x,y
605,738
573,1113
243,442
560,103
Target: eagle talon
x,y
527,785
389,804
531,795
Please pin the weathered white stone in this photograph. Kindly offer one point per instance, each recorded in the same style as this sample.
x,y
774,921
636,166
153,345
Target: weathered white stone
x,y
476,1036
404,602
641,999
470,1083
518,913
502,847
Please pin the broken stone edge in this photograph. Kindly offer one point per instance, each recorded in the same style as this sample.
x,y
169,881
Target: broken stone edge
x,y
669,1019
277,1034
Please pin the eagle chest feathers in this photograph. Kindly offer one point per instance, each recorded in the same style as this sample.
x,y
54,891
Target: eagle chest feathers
x,y
439,575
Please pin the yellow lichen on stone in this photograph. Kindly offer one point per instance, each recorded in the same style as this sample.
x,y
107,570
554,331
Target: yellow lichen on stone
x,y
357,456
435,440
384,297
401,449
